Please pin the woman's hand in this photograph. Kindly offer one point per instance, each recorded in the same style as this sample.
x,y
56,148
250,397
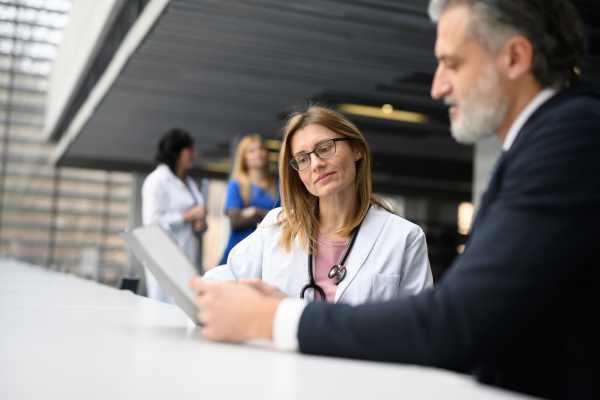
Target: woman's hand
x,y
245,218
249,212
264,288
233,312
200,226
195,213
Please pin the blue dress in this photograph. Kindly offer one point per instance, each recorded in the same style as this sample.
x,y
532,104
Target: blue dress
x,y
258,198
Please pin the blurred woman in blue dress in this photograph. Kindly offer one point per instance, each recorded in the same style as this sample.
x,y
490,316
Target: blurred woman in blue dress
x,y
252,191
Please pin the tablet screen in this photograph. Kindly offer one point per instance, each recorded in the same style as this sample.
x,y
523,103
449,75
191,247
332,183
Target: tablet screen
x,y
169,264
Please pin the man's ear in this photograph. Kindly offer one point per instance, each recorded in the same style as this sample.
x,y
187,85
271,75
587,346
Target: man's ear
x,y
516,57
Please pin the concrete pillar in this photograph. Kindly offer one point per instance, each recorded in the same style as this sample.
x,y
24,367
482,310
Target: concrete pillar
x,y
134,268
486,155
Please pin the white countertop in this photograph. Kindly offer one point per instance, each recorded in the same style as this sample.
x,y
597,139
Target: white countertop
x,y
62,337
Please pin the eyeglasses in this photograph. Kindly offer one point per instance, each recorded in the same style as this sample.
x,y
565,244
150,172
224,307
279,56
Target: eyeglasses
x,y
325,150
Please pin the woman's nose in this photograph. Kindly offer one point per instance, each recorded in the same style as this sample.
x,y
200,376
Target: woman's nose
x,y
315,161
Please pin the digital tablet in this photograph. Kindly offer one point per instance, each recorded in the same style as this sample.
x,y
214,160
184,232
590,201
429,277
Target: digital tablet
x,y
167,261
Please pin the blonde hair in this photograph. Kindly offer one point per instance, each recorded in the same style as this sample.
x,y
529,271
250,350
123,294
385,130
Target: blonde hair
x,y
240,169
299,206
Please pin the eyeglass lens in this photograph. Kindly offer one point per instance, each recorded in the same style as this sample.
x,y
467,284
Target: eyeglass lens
x,y
324,150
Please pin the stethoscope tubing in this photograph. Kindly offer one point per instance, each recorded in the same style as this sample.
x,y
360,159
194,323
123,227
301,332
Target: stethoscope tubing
x,y
340,267
311,282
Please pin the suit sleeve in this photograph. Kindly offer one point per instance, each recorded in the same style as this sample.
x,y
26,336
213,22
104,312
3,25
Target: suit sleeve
x,y
533,241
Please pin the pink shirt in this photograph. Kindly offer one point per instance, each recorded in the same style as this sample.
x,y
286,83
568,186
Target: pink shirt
x,y
329,253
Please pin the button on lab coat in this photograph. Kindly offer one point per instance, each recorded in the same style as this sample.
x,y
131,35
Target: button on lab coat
x,y
164,198
389,260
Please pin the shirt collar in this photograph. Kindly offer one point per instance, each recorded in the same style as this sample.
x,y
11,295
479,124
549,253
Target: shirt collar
x,y
170,175
517,125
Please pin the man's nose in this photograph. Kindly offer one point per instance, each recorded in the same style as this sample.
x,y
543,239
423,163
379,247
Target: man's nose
x,y
440,86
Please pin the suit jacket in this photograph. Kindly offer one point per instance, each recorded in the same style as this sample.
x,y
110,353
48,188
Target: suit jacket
x,y
521,310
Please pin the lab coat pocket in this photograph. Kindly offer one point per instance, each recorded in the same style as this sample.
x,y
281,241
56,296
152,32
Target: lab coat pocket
x,y
385,287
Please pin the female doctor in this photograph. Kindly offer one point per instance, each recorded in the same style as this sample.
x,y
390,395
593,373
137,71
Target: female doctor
x,y
172,198
332,239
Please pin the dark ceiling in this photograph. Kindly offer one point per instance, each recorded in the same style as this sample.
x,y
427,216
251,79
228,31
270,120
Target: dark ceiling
x,y
225,68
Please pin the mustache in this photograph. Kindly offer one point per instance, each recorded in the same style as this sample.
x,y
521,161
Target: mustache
x,y
451,101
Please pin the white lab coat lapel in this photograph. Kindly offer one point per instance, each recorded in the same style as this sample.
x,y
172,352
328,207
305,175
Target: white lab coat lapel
x,y
302,269
367,236
174,179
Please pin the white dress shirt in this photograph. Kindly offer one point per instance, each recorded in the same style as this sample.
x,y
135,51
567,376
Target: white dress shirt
x,y
522,118
164,198
289,311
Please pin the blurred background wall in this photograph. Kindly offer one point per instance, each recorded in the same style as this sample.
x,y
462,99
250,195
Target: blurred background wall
x,y
88,87
62,218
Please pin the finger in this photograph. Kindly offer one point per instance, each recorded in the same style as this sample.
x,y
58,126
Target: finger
x,y
251,281
195,281
202,318
208,332
198,299
206,285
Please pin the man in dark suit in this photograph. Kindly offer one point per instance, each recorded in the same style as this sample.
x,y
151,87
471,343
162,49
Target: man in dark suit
x,y
520,310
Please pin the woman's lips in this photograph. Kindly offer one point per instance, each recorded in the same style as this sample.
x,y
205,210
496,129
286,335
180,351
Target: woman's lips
x,y
324,177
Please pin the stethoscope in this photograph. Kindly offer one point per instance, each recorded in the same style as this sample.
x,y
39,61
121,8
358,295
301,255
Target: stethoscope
x,y
337,272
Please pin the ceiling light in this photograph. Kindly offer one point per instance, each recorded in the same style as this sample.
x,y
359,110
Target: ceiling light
x,y
465,216
387,108
217,167
273,144
385,112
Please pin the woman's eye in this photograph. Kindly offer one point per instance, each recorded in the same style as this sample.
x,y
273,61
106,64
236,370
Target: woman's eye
x,y
301,160
324,149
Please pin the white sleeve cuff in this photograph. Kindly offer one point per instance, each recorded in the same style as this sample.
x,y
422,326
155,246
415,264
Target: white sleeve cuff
x,y
174,220
285,325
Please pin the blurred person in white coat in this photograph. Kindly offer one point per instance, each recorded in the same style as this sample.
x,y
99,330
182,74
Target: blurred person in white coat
x,y
328,218
172,198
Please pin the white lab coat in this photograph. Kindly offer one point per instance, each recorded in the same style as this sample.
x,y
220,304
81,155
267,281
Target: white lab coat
x,y
164,198
388,260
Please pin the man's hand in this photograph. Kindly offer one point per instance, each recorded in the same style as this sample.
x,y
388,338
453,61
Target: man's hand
x,y
264,288
233,312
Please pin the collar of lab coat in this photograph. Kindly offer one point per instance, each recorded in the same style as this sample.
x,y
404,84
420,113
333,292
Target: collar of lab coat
x,y
370,230
166,171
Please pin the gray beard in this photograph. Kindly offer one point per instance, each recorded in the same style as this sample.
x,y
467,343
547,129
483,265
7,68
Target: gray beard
x,y
482,112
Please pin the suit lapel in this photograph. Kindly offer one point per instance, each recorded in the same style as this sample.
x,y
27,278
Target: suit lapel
x,y
365,240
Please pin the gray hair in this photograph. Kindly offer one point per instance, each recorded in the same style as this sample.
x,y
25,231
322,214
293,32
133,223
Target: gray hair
x,y
553,27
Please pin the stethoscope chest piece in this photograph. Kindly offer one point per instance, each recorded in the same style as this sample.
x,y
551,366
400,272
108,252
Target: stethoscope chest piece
x,y
337,272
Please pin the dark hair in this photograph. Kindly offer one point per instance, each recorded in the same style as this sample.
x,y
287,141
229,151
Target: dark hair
x,y
170,146
553,27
